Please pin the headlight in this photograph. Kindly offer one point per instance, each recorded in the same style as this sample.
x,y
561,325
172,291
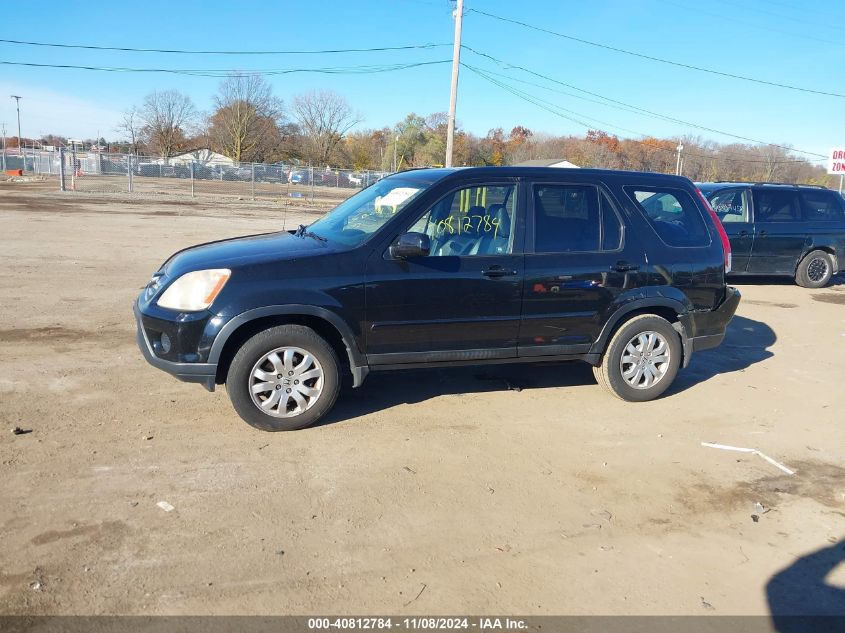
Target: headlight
x,y
195,291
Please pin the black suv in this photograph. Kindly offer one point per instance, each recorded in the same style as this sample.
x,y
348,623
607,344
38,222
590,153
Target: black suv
x,y
442,267
778,229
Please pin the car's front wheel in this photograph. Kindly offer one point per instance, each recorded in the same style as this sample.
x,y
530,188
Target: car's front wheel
x,y
641,360
815,270
284,378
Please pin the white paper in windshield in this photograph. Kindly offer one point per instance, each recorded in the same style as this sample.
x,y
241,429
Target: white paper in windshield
x,y
395,197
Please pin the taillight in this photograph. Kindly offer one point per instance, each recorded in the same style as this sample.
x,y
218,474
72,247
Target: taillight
x,y
726,243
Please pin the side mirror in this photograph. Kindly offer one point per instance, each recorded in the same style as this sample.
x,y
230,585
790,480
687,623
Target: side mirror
x,y
410,245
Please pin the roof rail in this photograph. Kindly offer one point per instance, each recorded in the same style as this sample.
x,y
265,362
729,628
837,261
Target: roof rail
x,y
790,184
779,184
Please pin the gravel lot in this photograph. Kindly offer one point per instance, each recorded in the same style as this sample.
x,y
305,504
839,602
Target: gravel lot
x,y
510,490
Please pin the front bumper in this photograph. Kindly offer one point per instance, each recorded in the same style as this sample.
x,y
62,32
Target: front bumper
x,y
203,373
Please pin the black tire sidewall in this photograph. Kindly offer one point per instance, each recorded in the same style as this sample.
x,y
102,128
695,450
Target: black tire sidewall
x,y
611,372
802,274
238,377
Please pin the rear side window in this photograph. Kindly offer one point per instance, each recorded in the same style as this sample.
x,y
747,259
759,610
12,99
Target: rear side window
x,y
731,205
673,214
824,206
774,205
574,218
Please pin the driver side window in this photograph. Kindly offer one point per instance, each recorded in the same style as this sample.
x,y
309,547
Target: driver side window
x,y
473,221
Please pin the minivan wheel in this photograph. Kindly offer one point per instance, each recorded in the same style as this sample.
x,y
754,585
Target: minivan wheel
x,y
815,270
284,378
641,359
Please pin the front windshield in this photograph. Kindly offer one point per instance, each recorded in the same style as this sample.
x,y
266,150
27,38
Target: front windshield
x,y
357,218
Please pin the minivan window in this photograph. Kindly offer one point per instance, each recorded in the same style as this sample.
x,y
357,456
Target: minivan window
x,y
673,214
475,220
773,205
566,218
358,217
824,206
730,205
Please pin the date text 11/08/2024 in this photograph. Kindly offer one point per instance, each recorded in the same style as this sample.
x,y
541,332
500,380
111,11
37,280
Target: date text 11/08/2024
x,y
417,623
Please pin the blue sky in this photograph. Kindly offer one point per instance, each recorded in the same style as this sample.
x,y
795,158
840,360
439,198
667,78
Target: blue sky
x,y
800,43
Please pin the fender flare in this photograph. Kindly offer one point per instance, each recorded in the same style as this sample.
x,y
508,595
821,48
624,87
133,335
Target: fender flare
x,y
643,304
356,359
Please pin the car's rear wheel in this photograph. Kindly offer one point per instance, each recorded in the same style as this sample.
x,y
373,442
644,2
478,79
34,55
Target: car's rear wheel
x,y
641,360
815,270
284,378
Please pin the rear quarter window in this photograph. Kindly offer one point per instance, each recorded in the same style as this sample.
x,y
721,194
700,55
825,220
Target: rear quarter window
x,y
673,215
822,206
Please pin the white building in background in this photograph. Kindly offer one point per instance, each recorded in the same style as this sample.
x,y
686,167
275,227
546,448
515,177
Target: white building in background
x,y
548,162
202,156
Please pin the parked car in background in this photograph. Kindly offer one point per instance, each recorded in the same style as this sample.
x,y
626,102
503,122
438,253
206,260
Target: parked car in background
x,y
796,231
299,177
623,270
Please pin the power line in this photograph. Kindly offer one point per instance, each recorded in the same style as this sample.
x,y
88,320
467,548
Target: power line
x,y
754,25
335,70
558,111
757,10
658,59
629,107
205,52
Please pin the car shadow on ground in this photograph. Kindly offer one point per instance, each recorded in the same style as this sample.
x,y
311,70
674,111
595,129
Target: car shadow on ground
x,y
763,280
800,600
747,342
384,390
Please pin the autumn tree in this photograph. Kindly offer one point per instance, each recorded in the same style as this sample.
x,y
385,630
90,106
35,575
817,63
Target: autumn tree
x,y
323,118
245,123
365,149
130,124
166,117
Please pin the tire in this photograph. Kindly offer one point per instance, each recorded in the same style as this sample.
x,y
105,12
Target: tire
x,y
609,374
299,351
815,270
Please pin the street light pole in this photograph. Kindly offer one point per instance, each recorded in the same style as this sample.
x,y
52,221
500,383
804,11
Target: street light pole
x,y
4,147
17,99
395,146
453,96
680,149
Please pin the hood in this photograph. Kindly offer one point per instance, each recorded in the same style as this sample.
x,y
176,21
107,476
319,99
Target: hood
x,y
243,251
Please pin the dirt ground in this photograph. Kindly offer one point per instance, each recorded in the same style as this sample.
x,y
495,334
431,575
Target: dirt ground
x,y
509,490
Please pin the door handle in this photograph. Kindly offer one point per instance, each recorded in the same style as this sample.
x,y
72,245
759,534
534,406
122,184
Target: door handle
x,y
624,267
743,233
763,233
497,271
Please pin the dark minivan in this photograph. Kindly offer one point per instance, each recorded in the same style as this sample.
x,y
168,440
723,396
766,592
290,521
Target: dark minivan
x,y
436,267
796,231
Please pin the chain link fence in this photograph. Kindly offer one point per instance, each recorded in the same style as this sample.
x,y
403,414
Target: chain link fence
x,y
130,173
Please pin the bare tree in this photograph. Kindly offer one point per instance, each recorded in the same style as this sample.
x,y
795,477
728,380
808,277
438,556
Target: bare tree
x,y
245,124
166,117
130,124
323,117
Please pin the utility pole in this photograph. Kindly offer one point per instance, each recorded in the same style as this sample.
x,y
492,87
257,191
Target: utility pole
x,y
4,147
17,99
680,149
395,148
453,96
